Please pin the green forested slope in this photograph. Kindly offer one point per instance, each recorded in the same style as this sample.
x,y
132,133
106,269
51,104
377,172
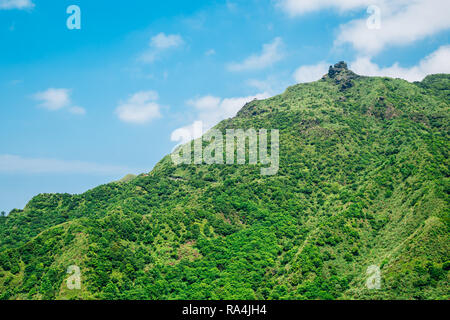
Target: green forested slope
x,y
363,180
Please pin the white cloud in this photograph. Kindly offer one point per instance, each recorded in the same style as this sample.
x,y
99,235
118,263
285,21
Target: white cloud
x,y
56,99
210,110
163,41
437,62
187,133
16,4
402,23
269,55
311,73
159,44
12,164
140,108
53,99
205,103
300,7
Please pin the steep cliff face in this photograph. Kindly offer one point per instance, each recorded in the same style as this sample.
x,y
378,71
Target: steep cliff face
x,y
363,184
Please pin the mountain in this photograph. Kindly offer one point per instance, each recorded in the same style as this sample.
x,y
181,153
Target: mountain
x,y
362,191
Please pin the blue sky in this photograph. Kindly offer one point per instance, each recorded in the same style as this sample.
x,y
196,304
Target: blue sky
x,y
80,108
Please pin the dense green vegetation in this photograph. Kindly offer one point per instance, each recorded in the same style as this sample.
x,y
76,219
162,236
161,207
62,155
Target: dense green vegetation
x,y
363,180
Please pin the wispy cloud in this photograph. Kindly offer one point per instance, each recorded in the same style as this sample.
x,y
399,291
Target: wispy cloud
x,y
262,85
274,83
16,4
210,52
270,54
140,108
210,110
13,164
55,99
163,41
159,44
77,110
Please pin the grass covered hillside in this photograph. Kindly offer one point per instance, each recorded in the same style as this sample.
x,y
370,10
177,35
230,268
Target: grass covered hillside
x,y
363,180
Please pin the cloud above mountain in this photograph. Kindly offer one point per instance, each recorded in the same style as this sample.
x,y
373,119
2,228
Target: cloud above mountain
x,y
311,73
271,53
436,62
402,22
210,110
140,108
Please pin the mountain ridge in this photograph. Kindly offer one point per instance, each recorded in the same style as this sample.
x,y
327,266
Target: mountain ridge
x,y
363,181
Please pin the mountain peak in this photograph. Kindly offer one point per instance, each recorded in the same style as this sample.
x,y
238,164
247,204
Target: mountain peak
x,y
340,67
341,75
